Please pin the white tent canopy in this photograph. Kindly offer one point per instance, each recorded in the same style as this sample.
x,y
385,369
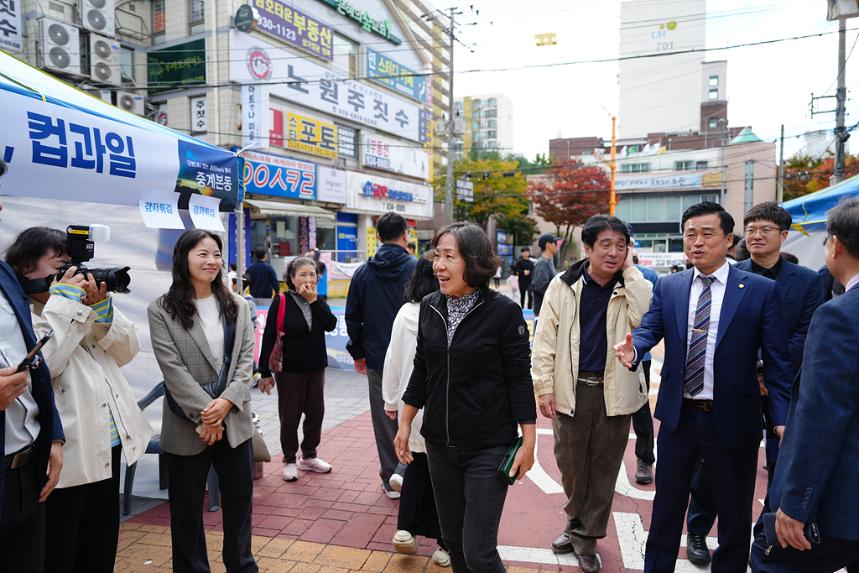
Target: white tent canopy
x,y
61,143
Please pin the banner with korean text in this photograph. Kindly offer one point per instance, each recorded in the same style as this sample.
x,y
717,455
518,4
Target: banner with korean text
x,y
390,73
296,28
60,143
389,155
314,86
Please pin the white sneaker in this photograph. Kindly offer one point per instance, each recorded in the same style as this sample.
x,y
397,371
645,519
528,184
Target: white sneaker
x,y
290,472
441,558
314,465
404,542
390,491
396,482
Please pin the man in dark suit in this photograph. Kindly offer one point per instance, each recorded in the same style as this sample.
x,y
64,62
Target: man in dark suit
x,y
766,226
32,436
815,482
713,318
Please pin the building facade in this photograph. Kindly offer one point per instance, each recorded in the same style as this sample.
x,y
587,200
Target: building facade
x,y
486,124
331,102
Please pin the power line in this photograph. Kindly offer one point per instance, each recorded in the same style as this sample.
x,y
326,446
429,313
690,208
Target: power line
x,y
311,80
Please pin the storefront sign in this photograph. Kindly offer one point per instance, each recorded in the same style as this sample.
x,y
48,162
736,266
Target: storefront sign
x,y
396,156
377,195
303,133
330,184
381,27
199,115
177,66
245,19
255,115
383,70
691,181
296,28
277,176
10,25
317,87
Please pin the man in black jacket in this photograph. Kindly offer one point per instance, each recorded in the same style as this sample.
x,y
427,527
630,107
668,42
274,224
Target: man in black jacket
x,y
375,296
524,269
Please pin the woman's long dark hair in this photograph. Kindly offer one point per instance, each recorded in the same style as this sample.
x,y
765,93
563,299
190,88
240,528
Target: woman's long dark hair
x,y
179,299
423,281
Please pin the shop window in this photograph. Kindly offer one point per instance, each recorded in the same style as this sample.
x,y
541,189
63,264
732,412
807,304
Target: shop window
x,y
196,16
159,24
347,138
126,64
345,55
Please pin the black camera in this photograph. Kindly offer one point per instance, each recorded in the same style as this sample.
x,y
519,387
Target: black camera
x,y
80,247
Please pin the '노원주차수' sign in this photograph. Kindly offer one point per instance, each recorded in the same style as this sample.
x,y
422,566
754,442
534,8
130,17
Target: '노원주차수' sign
x,y
177,66
296,28
312,85
10,25
386,71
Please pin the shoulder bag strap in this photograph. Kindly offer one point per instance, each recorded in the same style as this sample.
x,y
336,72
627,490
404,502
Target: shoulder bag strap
x,y
281,312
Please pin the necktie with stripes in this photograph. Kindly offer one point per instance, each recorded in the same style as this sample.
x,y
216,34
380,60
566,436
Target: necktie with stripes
x,y
698,343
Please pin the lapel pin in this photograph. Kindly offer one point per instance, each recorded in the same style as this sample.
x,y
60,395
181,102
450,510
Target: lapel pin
x,y
741,285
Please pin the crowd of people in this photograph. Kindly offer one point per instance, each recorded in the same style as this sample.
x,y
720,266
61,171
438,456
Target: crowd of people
x,y
752,349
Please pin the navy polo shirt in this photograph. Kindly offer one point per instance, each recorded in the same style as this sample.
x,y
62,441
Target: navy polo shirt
x,y
593,306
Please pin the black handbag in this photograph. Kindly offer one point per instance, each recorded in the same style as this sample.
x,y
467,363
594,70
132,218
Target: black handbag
x,y
216,388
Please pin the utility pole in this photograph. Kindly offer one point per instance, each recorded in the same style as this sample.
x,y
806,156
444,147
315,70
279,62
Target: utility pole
x,y
841,100
612,199
451,157
779,194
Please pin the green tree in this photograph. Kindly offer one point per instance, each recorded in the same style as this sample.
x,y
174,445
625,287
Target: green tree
x,y
500,189
522,227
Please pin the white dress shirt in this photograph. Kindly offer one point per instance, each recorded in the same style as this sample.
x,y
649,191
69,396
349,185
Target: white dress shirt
x,y
852,282
717,291
22,424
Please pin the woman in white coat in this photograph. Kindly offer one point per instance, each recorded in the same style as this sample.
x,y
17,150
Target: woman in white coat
x,y
92,340
417,513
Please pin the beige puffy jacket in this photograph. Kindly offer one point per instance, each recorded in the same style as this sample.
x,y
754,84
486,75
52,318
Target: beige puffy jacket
x,y
555,355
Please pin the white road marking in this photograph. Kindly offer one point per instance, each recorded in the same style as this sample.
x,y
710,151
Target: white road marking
x,y
535,555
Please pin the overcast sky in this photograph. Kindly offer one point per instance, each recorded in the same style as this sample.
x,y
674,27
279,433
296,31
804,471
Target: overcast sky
x,y
767,85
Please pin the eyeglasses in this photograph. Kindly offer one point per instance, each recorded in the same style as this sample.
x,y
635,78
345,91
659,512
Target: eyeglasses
x,y
752,231
826,239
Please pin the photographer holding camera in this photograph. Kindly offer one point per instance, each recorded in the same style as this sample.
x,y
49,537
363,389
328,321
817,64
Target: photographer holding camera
x,y
91,341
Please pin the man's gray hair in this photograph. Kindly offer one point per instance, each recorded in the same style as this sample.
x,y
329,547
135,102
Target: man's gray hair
x,y
843,222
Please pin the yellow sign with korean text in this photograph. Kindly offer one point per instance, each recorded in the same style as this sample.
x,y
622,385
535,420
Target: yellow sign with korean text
x,y
310,135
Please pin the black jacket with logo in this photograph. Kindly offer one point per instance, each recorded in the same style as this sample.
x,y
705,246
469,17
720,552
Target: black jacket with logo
x,y
475,390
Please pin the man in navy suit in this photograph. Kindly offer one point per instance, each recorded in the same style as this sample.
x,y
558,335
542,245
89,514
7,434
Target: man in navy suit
x,y
32,436
815,482
766,226
713,318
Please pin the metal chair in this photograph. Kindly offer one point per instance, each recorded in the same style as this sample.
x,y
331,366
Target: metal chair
x,y
153,447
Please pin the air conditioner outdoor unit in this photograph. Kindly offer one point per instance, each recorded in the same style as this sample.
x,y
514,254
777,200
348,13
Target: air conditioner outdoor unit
x,y
104,60
104,95
131,102
59,46
98,16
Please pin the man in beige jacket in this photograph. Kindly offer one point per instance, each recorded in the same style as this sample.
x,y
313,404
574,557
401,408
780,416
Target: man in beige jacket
x,y
579,386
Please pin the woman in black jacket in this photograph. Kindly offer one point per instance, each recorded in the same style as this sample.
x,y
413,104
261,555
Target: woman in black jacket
x,y
472,378
301,382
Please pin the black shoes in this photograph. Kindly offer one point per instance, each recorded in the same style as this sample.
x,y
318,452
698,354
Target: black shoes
x,y
644,473
588,563
696,549
562,544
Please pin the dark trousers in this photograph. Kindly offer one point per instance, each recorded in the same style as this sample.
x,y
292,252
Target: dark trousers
x,y
469,495
417,513
384,428
525,289
22,534
589,449
829,555
702,505
83,525
300,393
642,424
187,486
732,471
